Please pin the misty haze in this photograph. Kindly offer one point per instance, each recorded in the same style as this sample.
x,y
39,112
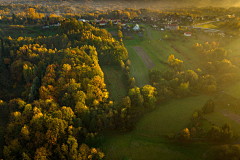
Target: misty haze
x,y
119,79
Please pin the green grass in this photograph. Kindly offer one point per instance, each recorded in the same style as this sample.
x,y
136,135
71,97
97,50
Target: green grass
x,y
219,120
115,81
205,125
234,46
171,117
229,103
138,69
234,90
208,25
147,142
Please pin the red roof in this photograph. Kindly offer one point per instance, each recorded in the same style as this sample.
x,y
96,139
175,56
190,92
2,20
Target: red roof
x,y
102,22
188,33
125,17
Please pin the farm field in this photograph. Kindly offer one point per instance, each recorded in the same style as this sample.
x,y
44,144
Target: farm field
x,y
219,120
234,46
234,90
138,69
147,140
208,25
115,82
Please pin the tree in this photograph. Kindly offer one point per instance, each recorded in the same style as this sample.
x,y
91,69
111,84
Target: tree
x,y
185,134
209,106
119,26
120,34
110,23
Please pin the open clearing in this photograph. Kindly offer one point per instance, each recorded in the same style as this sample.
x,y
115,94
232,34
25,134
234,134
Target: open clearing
x,y
147,142
145,57
138,69
115,81
234,46
226,113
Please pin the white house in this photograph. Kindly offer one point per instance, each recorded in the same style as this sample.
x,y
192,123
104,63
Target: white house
x,y
56,24
82,20
136,27
188,34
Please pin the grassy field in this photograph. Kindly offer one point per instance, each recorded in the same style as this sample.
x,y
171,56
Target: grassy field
x,y
219,120
229,103
138,69
208,25
234,90
115,81
234,47
147,140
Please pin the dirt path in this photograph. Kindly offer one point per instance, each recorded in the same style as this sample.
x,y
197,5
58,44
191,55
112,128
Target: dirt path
x,y
231,116
145,57
149,34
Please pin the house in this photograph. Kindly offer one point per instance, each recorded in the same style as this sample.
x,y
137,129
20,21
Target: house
x,y
154,26
144,19
117,21
45,26
56,24
136,27
171,26
81,20
111,19
211,33
221,34
126,28
153,19
188,34
135,20
102,23
125,18
123,24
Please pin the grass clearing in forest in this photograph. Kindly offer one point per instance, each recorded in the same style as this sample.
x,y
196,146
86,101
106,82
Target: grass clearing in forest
x,y
234,46
138,69
115,81
219,120
147,140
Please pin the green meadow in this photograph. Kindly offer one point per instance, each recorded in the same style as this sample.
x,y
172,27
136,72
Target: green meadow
x,y
147,140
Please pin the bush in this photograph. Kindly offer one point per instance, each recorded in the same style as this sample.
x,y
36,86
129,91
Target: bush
x,y
209,106
128,37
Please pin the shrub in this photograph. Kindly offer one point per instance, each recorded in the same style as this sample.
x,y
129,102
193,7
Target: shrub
x,y
128,37
209,106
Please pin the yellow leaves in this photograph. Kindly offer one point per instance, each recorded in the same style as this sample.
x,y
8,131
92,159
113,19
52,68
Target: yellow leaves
x,y
16,114
25,131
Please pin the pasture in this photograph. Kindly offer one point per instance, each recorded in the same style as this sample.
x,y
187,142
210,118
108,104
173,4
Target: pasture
x,y
147,140
115,81
138,69
234,46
